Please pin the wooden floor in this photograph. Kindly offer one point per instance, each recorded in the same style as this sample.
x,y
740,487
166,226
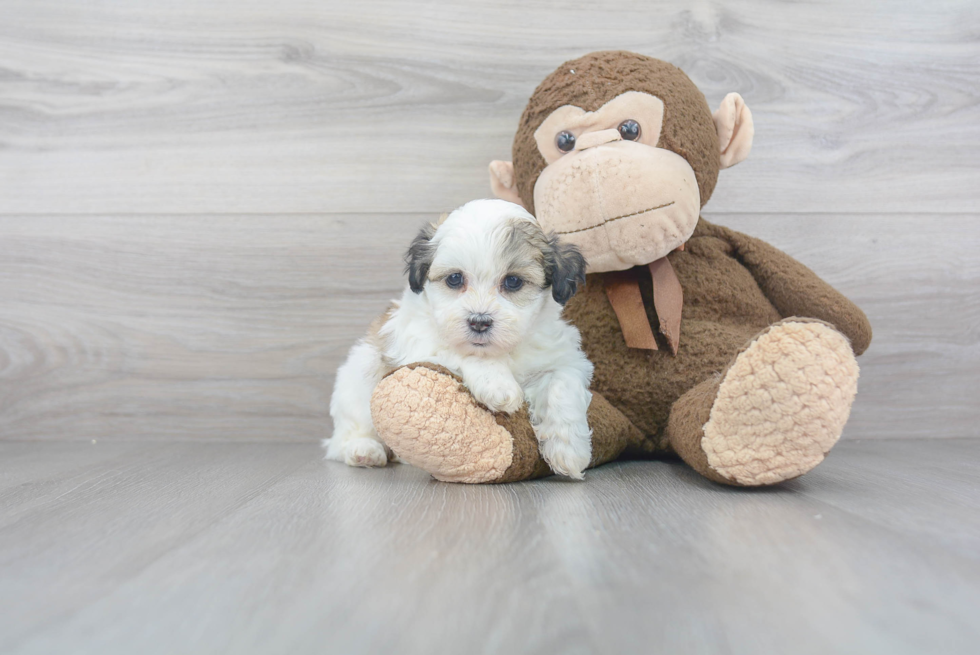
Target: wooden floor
x,y
150,547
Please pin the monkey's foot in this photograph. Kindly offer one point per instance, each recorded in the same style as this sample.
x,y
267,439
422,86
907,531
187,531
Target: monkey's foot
x,y
777,410
430,420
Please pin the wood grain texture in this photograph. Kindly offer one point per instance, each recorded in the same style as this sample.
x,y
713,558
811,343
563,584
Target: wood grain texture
x,y
186,327
231,327
264,548
238,106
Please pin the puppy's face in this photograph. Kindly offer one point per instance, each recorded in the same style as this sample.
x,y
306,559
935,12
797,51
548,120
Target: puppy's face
x,y
487,271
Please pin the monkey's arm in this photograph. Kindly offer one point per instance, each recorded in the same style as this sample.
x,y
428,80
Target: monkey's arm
x,y
795,290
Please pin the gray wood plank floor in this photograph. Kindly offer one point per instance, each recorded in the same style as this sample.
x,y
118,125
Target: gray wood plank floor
x,y
152,547
394,105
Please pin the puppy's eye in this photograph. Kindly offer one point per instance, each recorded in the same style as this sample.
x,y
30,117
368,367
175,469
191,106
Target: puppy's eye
x,y
629,130
454,280
513,283
565,141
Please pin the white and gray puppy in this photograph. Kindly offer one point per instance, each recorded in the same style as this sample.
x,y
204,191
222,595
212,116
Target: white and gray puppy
x,y
484,299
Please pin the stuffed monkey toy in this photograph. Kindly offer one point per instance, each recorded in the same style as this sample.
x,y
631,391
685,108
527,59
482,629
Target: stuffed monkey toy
x,y
707,343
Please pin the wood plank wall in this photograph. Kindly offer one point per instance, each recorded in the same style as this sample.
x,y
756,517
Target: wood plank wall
x,y
202,204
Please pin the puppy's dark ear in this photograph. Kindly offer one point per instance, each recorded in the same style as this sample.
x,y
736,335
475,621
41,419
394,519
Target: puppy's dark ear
x,y
419,257
564,268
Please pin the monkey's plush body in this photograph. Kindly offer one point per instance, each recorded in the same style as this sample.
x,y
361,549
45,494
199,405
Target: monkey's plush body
x,y
706,342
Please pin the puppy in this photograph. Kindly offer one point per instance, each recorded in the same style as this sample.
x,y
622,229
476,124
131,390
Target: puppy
x,y
484,299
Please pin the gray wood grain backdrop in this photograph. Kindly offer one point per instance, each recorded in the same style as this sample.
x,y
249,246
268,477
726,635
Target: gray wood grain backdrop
x,y
202,204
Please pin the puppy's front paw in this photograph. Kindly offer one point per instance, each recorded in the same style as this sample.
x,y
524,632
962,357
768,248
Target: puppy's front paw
x,y
357,451
365,452
501,395
566,454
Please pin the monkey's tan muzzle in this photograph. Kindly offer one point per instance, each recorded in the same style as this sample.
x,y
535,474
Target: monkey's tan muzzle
x,y
623,204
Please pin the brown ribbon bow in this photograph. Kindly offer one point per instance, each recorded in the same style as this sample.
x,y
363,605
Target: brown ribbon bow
x,y
623,291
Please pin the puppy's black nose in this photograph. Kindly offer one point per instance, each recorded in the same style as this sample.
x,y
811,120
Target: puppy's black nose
x,y
480,322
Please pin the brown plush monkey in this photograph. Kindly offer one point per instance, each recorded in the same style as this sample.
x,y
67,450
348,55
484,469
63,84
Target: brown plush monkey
x,y
706,342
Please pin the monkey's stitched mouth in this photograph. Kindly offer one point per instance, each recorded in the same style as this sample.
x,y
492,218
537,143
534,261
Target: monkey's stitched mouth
x,y
610,220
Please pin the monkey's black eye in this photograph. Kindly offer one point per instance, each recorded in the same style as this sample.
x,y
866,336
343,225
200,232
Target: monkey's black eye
x,y
565,141
629,130
513,283
454,280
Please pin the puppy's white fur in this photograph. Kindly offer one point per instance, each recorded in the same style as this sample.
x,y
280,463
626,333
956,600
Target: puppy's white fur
x,y
528,354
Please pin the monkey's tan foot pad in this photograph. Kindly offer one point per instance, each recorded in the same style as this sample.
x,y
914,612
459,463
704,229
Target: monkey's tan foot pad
x,y
782,404
429,419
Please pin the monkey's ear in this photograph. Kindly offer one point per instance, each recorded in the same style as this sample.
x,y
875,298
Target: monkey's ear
x,y
733,120
564,269
419,258
502,181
